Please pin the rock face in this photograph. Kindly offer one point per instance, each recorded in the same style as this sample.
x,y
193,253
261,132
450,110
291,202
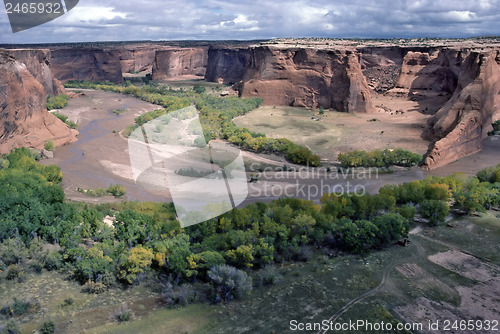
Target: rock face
x,y
460,126
172,63
227,65
294,76
457,84
135,58
25,121
38,63
430,72
381,66
86,63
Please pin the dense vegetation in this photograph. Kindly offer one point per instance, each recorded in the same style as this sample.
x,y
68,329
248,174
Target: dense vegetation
x,y
379,158
216,115
145,239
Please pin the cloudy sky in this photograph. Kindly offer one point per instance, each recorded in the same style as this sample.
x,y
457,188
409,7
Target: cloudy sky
x,y
111,20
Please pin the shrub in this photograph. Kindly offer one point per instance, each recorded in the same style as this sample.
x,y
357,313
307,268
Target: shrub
x,y
11,327
122,314
496,129
53,261
378,158
57,102
269,275
13,272
4,163
229,283
434,210
20,307
180,297
67,302
94,287
117,190
48,327
49,145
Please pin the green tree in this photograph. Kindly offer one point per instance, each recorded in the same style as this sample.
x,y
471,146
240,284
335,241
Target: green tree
x,y
138,261
229,283
433,210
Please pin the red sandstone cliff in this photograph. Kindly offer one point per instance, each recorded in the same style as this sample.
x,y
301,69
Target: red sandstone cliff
x,y
172,63
460,126
86,63
294,76
25,121
38,63
137,58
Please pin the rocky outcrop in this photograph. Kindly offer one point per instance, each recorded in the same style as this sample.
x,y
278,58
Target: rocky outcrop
x,y
381,66
38,63
25,120
86,63
302,77
172,63
135,59
430,73
227,65
460,126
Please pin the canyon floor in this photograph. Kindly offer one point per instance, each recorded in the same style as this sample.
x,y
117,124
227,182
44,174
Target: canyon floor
x,y
100,157
398,123
437,275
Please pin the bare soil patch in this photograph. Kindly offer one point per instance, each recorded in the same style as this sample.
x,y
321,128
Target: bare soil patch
x,y
398,123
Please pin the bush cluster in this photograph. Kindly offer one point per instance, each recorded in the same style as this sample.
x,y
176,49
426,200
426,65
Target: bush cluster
x,y
379,158
57,102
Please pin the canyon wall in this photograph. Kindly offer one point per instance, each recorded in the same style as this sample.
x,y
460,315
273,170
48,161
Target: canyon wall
x,y
298,77
134,59
180,62
25,120
457,85
86,63
38,63
460,126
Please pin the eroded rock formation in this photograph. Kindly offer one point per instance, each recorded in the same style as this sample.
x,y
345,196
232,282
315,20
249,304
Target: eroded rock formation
x,y
179,62
86,63
294,76
457,84
460,126
135,59
38,63
25,120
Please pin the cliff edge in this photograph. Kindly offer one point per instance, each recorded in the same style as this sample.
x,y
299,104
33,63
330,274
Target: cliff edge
x,y
26,121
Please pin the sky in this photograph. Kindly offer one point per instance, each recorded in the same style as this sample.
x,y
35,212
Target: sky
x,y
122,20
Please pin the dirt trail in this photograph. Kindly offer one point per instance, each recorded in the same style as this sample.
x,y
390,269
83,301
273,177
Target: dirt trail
x,y
385,277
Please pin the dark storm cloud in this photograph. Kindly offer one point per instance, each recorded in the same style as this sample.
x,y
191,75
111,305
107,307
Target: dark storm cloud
x,y
215,19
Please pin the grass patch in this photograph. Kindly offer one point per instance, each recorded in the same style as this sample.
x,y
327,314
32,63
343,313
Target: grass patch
x,y
191,319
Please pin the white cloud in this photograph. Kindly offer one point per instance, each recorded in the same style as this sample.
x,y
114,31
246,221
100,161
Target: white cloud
x,y
221,19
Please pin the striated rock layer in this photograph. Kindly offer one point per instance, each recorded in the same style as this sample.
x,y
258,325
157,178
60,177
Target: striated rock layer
x,y
180,62
460,126
86,63
25,120
294,76
456,82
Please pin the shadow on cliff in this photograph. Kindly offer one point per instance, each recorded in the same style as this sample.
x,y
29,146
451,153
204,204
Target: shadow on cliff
x,y
434,84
